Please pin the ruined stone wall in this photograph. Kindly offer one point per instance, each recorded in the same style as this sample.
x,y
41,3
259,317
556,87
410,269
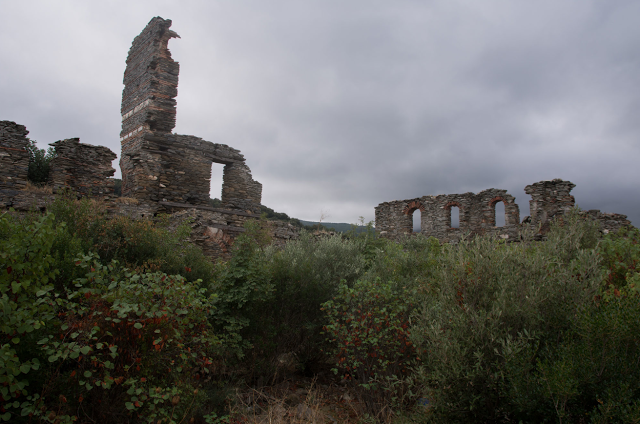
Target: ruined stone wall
x,y
82,168
609,222
156,164
14,158
476,212
215,230
148,98
549,200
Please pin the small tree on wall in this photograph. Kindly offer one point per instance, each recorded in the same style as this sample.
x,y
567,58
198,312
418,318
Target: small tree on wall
x,y
39,163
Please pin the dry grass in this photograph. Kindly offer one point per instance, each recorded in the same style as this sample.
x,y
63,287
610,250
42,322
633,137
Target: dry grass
x,y
37,188
296,402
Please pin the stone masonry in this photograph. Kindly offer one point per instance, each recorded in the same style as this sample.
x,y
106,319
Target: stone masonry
x,y
549,199
14,158
161,171
477,215
82,168
158,166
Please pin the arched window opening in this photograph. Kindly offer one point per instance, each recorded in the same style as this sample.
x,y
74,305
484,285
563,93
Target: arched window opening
x,y
455,217
417,221
499,214
215,184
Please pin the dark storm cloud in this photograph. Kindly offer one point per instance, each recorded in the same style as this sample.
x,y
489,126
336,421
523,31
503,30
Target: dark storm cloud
x,y
339,106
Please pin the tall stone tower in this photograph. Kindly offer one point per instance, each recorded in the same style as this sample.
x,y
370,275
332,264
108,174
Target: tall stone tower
x,y
148,100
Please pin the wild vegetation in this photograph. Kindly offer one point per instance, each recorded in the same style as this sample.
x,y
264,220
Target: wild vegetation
x,y
105,319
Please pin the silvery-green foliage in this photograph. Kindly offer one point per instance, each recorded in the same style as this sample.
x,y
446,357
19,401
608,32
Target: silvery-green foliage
x,y
326,260
490,298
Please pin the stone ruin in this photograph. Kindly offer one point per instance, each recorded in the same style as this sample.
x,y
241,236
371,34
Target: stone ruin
x,y
169,173
81,168
477,212
158,166
14,158
162,172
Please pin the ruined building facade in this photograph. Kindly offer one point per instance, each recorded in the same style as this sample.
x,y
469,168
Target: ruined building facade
x,y
157,165
477,212
162,172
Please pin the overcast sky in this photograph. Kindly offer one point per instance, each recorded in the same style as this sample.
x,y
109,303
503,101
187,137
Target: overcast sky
x,y
341,105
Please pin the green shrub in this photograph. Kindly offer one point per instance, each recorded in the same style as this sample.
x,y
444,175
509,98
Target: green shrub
x,y
114,347
244,291
39,163
494,299
620,255
305,273
141,245
368,328
28,307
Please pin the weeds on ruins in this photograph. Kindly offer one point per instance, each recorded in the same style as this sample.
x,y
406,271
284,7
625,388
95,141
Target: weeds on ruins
x,y
108,319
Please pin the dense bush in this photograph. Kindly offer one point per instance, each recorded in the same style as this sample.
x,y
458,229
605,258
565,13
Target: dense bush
x,y
512,332
141,245
39,163
368,329
114,347
97,323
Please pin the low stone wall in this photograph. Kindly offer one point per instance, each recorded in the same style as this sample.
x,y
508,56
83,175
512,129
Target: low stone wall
x,y
609,222
82,168
215,230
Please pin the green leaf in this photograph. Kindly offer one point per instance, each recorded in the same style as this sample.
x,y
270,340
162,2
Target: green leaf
x,y
85,350
25,368
87,374
137,325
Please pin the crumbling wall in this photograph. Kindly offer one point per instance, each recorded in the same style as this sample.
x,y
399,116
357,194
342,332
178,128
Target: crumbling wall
x,y
14,158
148,99
609,222
549,200
156,164
477,214
82,168
215,230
